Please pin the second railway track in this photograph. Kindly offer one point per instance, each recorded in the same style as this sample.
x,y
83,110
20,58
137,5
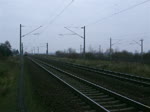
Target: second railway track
x,y
142,81
102,99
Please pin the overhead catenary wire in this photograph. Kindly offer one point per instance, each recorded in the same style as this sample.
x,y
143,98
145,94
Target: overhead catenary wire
x,y
56,17
116,13
53,13
31,31
73,32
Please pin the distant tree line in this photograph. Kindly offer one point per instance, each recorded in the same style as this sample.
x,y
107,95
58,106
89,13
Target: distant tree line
x,y
115,55
6,50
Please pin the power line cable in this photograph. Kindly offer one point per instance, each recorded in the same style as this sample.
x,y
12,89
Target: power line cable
x,y
54,11
43,24
31,31
57,16
133,35
114,14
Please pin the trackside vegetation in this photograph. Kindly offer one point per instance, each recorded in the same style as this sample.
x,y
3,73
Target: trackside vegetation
x,y
9,71
135,68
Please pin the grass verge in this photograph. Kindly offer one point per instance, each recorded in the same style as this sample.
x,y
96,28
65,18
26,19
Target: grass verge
x,y
9,71
125,67
31,99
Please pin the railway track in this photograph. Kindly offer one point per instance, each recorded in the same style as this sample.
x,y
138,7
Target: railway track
x,y
100,98
142,81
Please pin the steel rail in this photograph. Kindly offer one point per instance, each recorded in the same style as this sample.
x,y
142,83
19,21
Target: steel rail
x,y
117,75
127,100
77,92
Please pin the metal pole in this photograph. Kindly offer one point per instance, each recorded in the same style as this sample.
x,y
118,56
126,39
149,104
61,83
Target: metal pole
x,y
34,50
99,49
141,49
80,49
110,48
84,42
20,40
141,46
47,48
38,50
22,49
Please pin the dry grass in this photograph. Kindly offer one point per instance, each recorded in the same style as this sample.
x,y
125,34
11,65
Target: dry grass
x,y
9,71
125,67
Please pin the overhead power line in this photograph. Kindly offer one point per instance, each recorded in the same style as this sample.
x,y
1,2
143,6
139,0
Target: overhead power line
x,y
61,12
74,32
53,13
56,17
116,13
31,31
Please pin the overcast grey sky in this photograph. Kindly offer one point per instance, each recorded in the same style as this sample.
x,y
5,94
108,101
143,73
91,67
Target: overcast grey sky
x,y
123,28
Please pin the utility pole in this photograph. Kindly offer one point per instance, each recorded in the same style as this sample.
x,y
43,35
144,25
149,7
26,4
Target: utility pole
x,y
83,37
22,49
110,48
141,49
141,46
83,41
20,39
32,51
24,36
99,49
38,49
47,48
80,49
